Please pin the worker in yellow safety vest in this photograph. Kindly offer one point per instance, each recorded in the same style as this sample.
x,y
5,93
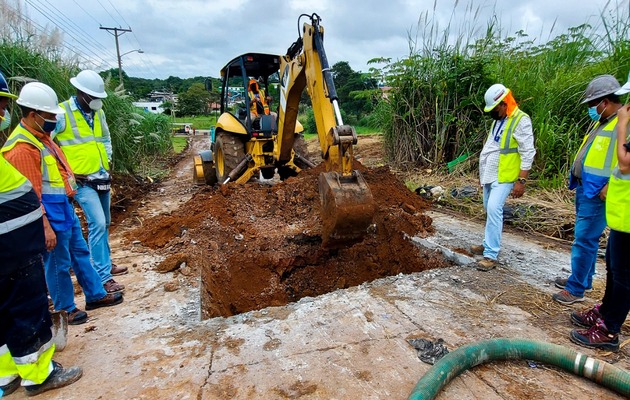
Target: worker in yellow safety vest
x,y
504,165
26,343
590,173
83,134
603,322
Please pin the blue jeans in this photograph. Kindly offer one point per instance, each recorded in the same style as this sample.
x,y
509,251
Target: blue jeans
x,y
95,205
616,302
590,221
57,264
494,196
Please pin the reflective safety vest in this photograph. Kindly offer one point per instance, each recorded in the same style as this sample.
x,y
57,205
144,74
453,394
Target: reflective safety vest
x,y
83,147
618,201
509,158
600,158
58,208
14,185
263,100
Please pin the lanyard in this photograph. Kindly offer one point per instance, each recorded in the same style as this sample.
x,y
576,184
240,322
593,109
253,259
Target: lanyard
x,y
497,133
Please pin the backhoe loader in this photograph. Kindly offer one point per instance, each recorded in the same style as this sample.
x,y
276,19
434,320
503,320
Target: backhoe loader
x,y
245,145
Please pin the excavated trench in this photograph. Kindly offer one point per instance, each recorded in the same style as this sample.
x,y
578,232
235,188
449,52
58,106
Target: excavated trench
x,y
258,245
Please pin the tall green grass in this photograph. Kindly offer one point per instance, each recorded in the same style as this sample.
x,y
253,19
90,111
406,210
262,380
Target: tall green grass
x,y
434,113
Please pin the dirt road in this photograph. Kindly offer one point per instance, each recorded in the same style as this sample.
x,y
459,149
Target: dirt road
x,y
347,344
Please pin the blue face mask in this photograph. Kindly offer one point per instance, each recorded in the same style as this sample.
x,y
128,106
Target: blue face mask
x,y
6,122
49,125
592,112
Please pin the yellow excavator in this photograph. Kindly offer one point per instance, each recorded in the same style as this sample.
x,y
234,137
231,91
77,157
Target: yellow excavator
x,y
246,144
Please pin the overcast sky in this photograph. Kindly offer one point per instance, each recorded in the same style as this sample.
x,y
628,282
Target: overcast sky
x,y
187,38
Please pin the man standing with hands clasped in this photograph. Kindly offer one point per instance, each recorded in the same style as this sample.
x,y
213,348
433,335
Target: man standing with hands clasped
x,y
83,135
504,165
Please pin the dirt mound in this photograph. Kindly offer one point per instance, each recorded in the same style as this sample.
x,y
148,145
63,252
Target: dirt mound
x,y
258,245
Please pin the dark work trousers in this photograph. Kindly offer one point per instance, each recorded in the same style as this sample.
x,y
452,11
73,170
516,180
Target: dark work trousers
x,y
24,316
616,301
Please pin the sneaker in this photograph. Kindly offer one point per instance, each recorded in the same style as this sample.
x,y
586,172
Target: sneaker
x,y
566,298
59,377
10,387
77,317
486,264
117,270
110,299
561,283
596,337
111,286
477,249
586,319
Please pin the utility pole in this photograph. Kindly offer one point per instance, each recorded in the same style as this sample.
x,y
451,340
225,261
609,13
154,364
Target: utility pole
x,y
118,32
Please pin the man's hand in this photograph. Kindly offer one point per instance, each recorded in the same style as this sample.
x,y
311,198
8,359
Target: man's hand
x,y
602,194
49,234
518,189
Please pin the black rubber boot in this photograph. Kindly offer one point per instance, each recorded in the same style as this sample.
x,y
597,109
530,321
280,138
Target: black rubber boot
x,y
11,387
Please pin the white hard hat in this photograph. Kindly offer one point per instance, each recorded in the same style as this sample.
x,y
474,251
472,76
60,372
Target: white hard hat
x,y
494,95
90,82
601,86
625,88
41,97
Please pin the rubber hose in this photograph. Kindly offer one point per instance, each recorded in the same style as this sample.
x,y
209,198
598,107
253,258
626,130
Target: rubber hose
x,y
471,355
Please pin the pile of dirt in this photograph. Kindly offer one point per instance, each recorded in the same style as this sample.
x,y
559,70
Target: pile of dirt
x,y
258,245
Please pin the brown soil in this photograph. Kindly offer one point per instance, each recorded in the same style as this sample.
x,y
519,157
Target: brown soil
x,y
258,246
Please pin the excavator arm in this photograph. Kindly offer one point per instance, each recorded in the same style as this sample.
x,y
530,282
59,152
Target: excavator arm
x,y
347,203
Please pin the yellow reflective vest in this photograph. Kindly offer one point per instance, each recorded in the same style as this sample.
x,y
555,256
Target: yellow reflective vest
x,y
509,158
618,201
263,100
54,196
83,147
14,185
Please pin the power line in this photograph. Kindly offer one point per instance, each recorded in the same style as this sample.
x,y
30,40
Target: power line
x,y
68,33
70,24
107,11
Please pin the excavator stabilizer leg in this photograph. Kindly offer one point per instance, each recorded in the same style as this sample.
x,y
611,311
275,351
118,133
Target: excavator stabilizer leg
x,y
347,208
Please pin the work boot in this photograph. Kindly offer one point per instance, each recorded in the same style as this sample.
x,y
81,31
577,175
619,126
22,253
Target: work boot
x,y
477,249
596,337
587,318
110,299
118,270
111,286
11,386
77,317
486,264
566,298
561,283
59,377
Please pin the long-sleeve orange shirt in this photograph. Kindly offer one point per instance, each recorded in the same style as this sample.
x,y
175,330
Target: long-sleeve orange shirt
x,y
28,160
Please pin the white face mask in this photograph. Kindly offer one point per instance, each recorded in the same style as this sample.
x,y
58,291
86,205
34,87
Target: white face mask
x,y
96,104
6,122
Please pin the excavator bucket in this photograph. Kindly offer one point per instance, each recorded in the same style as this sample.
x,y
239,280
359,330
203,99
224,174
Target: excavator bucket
x,y
347,208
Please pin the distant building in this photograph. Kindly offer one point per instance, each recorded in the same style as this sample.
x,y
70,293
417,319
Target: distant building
x,y
154,107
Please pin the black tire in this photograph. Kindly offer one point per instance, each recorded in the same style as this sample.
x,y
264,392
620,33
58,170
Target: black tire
x,y
286,173
228,151
209,173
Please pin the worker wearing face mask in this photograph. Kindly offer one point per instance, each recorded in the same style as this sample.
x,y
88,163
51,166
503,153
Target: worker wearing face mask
x,y
504,165
83,135
590,173
5,96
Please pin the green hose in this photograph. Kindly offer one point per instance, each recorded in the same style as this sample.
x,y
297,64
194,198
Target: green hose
x,y
458,361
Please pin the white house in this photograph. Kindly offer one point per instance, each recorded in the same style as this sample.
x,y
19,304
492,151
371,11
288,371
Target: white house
x,y
154,107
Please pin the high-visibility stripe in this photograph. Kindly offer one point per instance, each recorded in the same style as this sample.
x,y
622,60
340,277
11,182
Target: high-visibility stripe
x,y
16,193
33,357
21,221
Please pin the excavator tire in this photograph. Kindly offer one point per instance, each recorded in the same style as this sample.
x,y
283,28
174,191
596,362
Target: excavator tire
x,y
209,173
228,151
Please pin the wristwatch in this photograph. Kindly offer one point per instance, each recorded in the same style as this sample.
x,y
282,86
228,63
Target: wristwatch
x,y
522,180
